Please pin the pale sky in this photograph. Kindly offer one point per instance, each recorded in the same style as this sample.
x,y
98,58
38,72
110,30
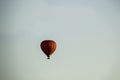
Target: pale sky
x,y
87,33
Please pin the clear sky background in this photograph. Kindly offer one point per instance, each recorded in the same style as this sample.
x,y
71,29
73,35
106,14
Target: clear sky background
x,y
87,33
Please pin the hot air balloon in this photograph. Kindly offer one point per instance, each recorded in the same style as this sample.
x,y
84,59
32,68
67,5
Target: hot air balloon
x,y
48,47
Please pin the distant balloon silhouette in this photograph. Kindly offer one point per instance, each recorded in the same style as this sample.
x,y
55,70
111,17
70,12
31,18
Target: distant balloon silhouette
x,y
48,47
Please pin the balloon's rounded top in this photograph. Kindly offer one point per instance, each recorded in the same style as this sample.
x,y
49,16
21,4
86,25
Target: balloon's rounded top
x,y
48,47
48,40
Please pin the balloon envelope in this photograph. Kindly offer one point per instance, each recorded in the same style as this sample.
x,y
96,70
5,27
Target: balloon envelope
x,y
48,47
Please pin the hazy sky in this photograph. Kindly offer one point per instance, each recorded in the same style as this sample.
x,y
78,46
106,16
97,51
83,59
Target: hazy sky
x,y
87,33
